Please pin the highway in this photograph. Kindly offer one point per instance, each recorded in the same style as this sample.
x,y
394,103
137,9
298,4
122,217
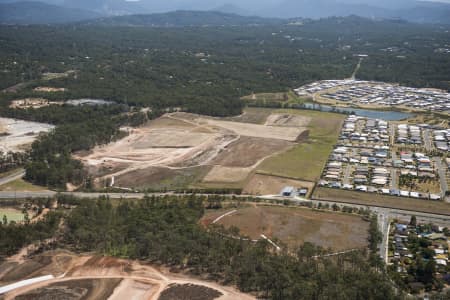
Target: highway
x,y
385,215
45,194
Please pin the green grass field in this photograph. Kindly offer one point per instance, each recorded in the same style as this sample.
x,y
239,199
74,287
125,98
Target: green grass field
x,y
307,160
11,214
21,185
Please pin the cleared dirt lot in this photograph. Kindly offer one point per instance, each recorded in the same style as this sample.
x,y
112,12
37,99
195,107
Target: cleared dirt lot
x,y
287,120
132,289
255,115
227,174
260,184
86,289
294,226
156,178
170,146
98,277
248,151
254,130
17,135
164,143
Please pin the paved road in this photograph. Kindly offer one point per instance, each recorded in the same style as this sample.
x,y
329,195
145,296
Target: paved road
x,y
442,170
427,139
392,128
347,171
44,194
16,175
393,184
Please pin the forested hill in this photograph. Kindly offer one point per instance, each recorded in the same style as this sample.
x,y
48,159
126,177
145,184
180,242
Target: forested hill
x,y
41,13
185,18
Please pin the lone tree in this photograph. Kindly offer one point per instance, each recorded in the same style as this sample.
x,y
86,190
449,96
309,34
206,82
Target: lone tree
x,y
413,221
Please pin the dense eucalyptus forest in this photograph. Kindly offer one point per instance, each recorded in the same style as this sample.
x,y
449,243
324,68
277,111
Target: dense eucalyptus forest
x,y
206,69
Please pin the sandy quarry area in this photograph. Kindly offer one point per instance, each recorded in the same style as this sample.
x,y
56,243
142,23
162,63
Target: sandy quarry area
x,y
32,103
179,141
17,135
47,89
98,277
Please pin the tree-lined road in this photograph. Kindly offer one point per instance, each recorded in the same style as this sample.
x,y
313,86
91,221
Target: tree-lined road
x,y
385,215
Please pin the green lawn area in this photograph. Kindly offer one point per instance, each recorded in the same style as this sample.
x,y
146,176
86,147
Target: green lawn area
x,y
11,214
306,160
21,185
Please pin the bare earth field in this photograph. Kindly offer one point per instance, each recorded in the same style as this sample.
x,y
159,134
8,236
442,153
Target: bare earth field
x,y
260,184
294,226
287,120
262,131
172,145
17,135
226,174
79,277
156,178
89,289
247,151
255,115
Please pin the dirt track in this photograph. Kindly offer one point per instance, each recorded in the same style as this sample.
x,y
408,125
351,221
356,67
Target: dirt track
x,y
138,281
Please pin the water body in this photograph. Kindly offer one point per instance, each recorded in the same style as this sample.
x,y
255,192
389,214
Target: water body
x,y
368,113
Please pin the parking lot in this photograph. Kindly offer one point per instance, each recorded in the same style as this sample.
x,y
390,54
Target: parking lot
x,y
376,156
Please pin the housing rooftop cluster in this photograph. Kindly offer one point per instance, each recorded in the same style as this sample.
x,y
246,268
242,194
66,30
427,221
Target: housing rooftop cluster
x,y
376,156
378,94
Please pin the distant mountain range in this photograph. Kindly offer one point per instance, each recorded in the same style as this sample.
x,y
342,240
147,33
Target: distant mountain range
x,y
41,13
412,11
64,11
185,18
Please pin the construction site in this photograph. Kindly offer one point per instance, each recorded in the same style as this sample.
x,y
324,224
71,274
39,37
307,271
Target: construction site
x,y
181,150
75,276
